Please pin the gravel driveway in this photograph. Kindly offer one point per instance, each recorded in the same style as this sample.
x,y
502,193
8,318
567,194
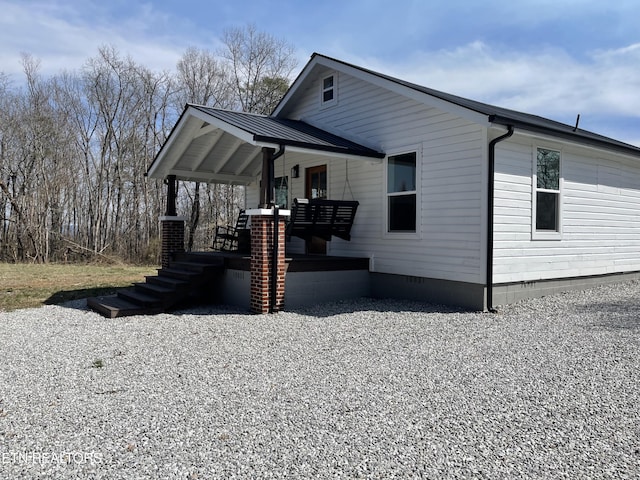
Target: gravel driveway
x,y
546,388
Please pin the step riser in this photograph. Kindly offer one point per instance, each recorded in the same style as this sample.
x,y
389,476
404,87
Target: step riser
x,y
199,259
166,299
181,281
139,299
196,267
113,306
178,275
189,267
155,290
167,282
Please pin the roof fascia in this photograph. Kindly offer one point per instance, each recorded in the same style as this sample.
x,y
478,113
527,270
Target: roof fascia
x,y
325,152
269,141
334,154
421,97
304,73
411,93
573,138
154,169
217,123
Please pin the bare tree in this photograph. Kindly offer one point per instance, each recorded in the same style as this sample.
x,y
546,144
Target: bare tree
x,y
131,109
251,74
74,148
147,204
260,67
204,80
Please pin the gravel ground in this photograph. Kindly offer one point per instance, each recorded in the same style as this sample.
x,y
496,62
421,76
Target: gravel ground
x,y
546,388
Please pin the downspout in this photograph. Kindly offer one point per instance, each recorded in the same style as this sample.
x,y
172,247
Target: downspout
x,y
490,201
273,293
269,155
272,180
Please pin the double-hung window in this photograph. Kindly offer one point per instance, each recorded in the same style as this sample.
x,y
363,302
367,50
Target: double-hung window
x,y
401,193
547,193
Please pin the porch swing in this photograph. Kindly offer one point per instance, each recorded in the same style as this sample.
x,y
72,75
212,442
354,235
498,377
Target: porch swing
x,y
323,218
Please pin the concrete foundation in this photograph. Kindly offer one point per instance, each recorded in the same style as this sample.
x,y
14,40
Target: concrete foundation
x,y
445,292
504,294
309,288
312,281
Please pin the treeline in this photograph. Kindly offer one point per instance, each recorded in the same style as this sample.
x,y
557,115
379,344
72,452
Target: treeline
x,y
74,148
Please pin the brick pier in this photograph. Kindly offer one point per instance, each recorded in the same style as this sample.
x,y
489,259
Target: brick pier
x,y
172,237
262,234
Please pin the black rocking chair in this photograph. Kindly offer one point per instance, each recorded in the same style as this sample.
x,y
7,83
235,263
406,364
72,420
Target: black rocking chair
x,y
233,239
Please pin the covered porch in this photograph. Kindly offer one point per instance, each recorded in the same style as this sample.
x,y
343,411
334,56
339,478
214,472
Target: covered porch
x,y
220,146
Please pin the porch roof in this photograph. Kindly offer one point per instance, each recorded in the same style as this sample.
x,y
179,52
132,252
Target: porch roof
x,y
223,146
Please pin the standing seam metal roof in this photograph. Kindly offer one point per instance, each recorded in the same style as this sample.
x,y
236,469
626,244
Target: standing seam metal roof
x,y
289,132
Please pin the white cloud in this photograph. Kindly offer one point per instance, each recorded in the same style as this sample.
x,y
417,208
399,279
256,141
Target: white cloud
x,y
547,82
542,80
64,37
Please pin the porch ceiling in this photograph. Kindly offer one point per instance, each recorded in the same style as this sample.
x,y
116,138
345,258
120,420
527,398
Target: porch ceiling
x,y
221,146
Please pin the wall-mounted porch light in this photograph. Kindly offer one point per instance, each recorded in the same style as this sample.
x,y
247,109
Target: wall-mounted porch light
x,y
295,171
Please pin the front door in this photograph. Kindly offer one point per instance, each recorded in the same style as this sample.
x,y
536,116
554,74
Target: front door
x,y
316,187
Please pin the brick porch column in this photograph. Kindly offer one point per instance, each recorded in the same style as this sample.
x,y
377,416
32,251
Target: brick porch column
x,y
172,237
262,234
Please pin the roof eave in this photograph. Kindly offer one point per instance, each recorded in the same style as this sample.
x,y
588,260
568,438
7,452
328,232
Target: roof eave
x,y
576,137
294,86
303,146
166,145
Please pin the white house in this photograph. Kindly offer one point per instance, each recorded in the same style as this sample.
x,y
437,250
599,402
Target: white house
x,y
460,202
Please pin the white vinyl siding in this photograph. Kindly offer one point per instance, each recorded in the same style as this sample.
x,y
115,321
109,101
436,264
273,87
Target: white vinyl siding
x,y
449,244
600,221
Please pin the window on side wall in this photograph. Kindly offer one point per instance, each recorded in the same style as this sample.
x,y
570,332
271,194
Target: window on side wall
x,y
547,194
328,90
401,193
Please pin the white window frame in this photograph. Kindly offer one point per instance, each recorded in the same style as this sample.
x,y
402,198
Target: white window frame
x,y
334,101
417,149
546,234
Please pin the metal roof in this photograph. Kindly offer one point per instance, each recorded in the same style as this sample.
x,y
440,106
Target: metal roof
x,y
223,146
288,132
504,116
213,145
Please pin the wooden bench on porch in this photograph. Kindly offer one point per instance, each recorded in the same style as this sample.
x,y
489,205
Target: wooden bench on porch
x,y
321,218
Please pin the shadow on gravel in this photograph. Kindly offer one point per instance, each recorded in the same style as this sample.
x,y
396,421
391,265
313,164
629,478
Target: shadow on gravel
x,y
372,305
75,299
64,296
330,309
615,315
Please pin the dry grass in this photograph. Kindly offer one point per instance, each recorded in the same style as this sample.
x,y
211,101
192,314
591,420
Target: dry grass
x,y
31,285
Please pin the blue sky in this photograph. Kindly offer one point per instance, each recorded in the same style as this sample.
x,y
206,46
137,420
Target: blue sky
x,y
554,58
